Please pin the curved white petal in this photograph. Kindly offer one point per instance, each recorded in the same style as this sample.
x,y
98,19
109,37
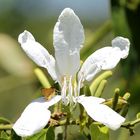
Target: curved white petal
x,y
33,119
89,100
105,58
37,52
35,116
68,39
123,44
53,101
101,113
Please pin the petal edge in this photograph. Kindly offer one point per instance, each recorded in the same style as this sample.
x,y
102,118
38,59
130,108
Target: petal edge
x,y
37,53
102,113
68,38
34,118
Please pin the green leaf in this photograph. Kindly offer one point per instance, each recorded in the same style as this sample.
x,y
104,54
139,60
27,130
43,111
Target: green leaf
x,y
50,134
4,120
39,136
45,134
99,133
3,135
14,136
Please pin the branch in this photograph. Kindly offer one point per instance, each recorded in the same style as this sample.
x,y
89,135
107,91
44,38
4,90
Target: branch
x,y
6,126
63,122
130,126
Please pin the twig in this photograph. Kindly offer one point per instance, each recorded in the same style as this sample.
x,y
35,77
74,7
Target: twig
x,y
130,126
6,126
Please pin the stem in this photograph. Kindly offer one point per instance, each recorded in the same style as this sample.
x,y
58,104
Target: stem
x,y
60,123
65,132
127,125
124,110
100,88
131,123
115,98
94,85
135,122
42,78
65,122
130,126
6,126
126,96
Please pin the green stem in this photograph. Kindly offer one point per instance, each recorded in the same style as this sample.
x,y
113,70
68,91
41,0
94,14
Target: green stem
x,y
100,88
127,125
65,132
124,110
94,85
130,126
42,78
126,96
6,126
135,122
115,98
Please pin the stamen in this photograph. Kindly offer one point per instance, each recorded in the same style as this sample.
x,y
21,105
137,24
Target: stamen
x,y
75,90
75,94
79,85
70,90
64,90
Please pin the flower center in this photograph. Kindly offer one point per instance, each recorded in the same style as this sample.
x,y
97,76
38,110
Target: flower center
x,y
69,90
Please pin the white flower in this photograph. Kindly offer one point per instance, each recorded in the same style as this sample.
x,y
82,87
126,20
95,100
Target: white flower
x,y
68,39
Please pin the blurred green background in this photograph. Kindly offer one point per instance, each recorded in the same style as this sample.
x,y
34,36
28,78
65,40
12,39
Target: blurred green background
x,y
102,21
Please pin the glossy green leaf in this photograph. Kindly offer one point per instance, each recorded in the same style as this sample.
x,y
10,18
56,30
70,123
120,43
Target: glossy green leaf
x,y
99,133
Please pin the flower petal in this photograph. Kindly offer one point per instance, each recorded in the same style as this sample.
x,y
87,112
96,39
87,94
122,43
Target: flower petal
x,y
101,113
123,44
34,118
104,59
37,52
53,101
68,39
89,100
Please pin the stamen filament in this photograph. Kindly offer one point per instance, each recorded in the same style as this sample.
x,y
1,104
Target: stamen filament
x,y
70,90
79,86
64,90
